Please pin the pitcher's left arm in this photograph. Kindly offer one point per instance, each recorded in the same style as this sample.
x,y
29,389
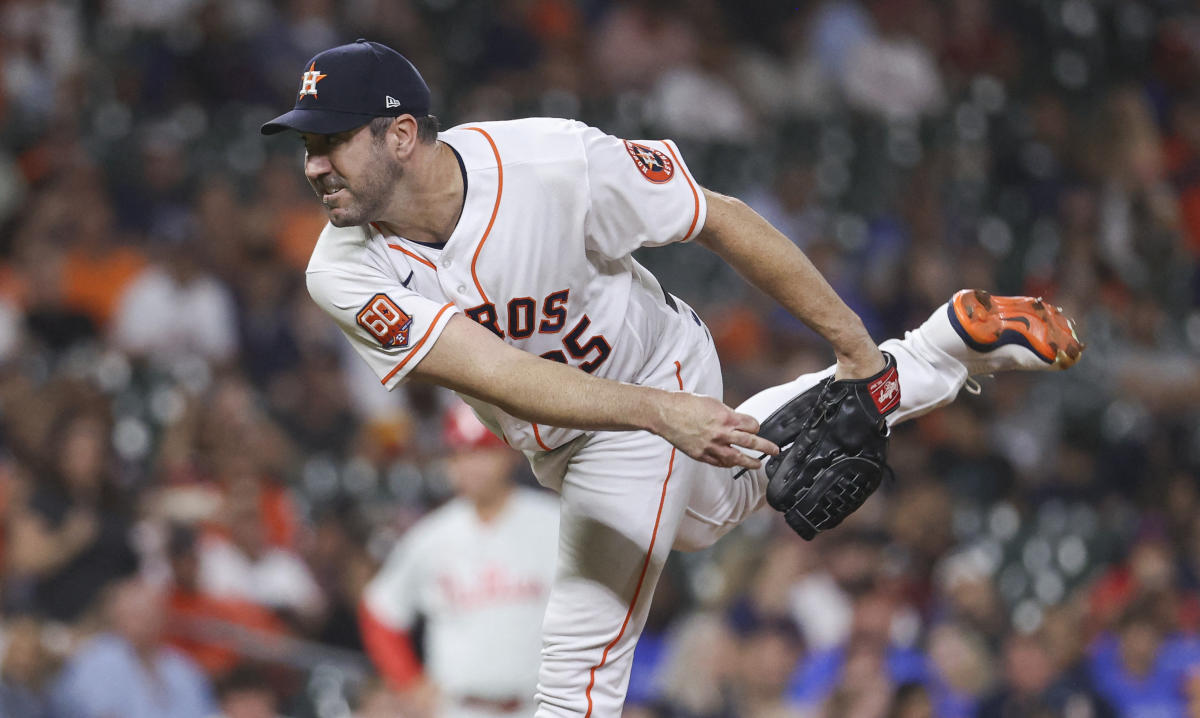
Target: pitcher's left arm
x,y
774,264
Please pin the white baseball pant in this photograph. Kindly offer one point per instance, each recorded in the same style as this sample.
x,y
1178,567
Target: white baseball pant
x,y
628,498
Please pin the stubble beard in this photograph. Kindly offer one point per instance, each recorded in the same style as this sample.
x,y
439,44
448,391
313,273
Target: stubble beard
x,y
370,195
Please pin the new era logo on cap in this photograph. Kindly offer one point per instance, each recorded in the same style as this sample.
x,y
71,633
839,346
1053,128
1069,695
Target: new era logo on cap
x,y
391,102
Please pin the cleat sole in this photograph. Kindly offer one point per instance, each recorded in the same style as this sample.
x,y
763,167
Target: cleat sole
x,y
986,323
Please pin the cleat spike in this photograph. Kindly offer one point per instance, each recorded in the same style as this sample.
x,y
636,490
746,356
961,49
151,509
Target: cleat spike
x,y
1032,333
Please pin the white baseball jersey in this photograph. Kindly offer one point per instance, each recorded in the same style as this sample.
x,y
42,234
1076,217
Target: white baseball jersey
x,y
540,256
482,588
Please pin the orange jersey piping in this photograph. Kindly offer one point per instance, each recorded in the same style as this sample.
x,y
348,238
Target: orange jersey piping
x,y
538,436
495,209
695,194
413,352
420,259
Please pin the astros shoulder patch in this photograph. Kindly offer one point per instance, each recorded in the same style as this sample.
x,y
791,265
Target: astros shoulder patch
x,y
386,321
654,165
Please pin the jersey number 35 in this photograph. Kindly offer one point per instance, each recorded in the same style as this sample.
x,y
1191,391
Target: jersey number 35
x,y
523,321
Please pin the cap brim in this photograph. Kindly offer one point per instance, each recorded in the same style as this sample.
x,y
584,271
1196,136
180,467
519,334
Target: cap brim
x,y
318,122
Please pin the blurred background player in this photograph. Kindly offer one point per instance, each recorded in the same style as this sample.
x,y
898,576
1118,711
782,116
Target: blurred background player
x,y
478,570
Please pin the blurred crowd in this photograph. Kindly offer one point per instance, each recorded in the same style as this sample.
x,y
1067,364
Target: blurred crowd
x,y
196,474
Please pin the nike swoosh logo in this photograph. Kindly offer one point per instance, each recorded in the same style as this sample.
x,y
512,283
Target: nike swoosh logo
x,y
1022,320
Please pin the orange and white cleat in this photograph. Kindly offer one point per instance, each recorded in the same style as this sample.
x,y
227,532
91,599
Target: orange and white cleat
x,y
1005,333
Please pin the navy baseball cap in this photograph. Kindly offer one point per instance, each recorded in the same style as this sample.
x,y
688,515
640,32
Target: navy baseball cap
x,y
349,85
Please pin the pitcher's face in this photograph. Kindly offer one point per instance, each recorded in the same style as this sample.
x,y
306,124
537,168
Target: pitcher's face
x,y
353,174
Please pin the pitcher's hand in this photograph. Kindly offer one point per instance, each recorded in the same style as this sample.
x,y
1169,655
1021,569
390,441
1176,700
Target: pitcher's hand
x,y
708,431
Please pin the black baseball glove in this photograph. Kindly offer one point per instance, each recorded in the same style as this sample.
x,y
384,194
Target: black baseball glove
x,y
833,441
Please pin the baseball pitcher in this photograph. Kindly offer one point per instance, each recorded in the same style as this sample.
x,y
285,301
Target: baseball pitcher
x,y
495,259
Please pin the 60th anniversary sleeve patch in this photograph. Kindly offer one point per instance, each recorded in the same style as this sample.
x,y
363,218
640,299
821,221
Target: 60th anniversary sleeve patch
x,y
386,321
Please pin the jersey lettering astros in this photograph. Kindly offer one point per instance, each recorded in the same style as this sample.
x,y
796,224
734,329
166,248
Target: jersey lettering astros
x,y
541,256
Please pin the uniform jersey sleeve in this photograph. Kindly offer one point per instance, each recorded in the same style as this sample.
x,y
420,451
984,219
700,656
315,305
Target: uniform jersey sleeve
x,y
641,194
391,327
393,595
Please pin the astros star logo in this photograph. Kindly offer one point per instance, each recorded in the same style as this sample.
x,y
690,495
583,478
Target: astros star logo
x,y
653,164
309,80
